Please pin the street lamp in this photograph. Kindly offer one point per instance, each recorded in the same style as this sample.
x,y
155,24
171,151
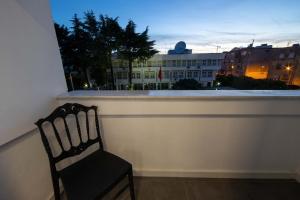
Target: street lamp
x,y
71,79
289,70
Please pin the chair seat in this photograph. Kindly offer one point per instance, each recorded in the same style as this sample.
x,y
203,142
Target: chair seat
x,y
92,176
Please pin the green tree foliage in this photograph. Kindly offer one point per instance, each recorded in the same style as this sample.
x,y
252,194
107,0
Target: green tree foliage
x,y
79,45
135,46
89,45
96,60
187,84
247,83
110,33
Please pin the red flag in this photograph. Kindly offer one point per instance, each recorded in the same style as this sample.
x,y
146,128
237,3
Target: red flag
x,y
160,74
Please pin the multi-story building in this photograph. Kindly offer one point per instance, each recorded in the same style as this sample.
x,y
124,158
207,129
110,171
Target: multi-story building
x,y
265,62
178,64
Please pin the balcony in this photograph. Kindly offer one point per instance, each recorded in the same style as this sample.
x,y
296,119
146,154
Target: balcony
x,y
182,144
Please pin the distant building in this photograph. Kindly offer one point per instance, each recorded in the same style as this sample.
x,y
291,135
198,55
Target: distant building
x,y
264,62
178,64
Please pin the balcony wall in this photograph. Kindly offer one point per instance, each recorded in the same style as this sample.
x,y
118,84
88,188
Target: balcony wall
x,y
235,134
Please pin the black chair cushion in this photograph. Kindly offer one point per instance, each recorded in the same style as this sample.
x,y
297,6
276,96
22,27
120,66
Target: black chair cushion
x,y
93,175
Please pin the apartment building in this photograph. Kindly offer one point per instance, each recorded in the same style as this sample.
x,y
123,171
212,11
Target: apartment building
x,y
178,64
265,62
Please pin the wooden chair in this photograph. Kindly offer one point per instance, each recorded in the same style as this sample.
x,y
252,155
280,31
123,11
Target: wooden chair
x,y
93,176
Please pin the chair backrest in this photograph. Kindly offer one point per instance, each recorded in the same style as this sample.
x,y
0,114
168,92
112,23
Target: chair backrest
x,y
62,112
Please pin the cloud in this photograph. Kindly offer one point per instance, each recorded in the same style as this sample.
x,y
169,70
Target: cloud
x,y
207,42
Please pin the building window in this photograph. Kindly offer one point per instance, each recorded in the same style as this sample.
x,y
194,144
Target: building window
x,y
189,74
174,63
178,63
175,74
195,73
189,62
138,75
169,63
164,63
166,75
204,62
214,62
291,55
199,63
209,73
181,74
209,62
152,75
194,63
184,63
147,75
133,75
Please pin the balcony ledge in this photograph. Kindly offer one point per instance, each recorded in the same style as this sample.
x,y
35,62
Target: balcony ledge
x,y
183,94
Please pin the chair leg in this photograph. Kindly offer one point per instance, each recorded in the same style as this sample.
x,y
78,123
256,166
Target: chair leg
x,y
55,182
131,185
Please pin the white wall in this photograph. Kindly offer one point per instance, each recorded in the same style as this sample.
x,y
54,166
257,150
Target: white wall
x,y
31,72
202,137
24,169
31,76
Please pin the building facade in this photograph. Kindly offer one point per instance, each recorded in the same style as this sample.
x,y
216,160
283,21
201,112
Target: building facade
x,y
264,62
178,64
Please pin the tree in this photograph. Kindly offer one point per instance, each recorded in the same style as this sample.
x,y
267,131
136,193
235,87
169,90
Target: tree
x,y
79,45
187,84
110,32
95,48
135,46
63,39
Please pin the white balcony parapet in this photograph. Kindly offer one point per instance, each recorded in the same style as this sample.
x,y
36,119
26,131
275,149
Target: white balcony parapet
x,y
184,93
233,134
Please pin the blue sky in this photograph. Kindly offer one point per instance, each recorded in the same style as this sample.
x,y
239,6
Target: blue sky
x,y
203,24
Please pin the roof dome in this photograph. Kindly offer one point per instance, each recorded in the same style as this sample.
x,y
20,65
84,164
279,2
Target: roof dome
x,y
180,47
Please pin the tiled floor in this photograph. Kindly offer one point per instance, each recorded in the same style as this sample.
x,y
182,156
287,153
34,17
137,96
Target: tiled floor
x,y
213,189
